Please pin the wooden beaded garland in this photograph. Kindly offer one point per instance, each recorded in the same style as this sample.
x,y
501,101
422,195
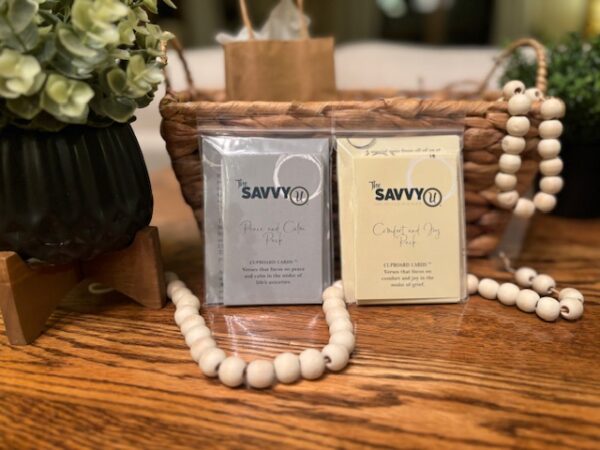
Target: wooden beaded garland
x,y
571,308
505,181
260,374
517,126
311,364
508,199
551,185
551,167
510,163
286,368
544,202
513,145
553,108
569,304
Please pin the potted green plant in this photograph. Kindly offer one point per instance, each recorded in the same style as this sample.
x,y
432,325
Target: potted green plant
x,y
73,182
574,76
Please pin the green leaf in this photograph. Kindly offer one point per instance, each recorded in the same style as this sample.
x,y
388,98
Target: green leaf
x,y
25,107
16,16
119,109
67,100
46,50
151,6
74,43
29,37
19,74
117,80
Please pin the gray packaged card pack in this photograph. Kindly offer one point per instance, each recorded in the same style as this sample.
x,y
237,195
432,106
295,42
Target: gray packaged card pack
x,y
267,221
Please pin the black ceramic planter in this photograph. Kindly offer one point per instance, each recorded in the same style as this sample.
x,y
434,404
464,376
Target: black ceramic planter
x,y
71,195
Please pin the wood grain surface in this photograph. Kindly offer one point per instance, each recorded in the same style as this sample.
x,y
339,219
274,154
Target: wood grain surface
x,y
111,374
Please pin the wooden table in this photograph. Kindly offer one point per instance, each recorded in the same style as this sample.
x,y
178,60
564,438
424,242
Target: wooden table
x,y
109,373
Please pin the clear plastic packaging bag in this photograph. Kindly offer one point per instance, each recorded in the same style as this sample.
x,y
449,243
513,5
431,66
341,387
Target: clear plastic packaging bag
x,y
267,216
401,213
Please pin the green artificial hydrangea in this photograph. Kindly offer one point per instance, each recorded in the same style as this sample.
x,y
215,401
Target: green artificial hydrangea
x,y
20,75
96,21
77,61
66,99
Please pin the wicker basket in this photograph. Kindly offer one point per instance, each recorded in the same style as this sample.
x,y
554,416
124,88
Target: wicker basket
x,y
485,119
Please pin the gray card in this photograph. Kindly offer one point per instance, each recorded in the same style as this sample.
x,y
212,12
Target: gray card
x,y
274,240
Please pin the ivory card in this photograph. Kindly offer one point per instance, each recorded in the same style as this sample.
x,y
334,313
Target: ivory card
x,y
402,219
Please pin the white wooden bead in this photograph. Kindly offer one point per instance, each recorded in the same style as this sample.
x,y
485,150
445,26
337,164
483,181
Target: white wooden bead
x,y
525,276
179,294
197,333
287,367
170,277
507,293
191,322
210,361
231,371
519,104
534,94
549,148
548,309
200,346
513,144
508,199
571,308
341,325
551,185
513,87
509,163
518,126
339,284
189,300
183,313
333,303
488,288
551,167
336,357
552,108
312,364
550,129
345,338
333,292
570,293
335,314
260,374
505,181
472,284
527,300
544,202
174,286
542,284
524,208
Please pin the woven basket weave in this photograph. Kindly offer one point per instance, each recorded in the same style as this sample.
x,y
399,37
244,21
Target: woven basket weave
x,y
485,119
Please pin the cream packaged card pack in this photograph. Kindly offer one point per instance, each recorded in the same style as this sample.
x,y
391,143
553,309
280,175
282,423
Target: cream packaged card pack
x,y
267,220
401,214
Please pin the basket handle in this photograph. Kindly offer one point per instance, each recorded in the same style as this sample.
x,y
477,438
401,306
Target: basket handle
x,y
541,79
186,68
248,22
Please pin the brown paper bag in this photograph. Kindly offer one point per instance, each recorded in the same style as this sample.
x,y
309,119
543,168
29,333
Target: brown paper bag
x,y
301,70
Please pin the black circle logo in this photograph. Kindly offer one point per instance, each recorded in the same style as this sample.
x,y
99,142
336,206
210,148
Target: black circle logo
x,y
432,197
299,196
